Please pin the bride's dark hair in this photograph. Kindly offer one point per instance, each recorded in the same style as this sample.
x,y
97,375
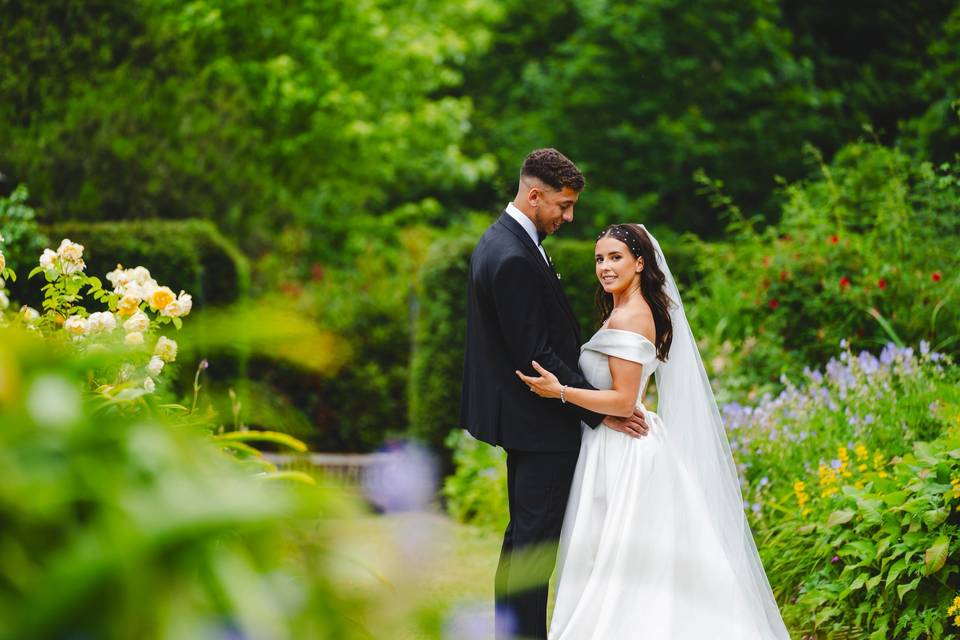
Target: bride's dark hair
x,y
652,283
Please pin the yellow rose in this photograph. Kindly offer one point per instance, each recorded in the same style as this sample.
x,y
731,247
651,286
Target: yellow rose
x,y
161,297
128,305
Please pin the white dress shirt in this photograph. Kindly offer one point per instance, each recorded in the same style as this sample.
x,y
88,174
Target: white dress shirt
x,y
528,226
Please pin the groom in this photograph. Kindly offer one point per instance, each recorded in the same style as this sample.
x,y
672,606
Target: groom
x,y
516,313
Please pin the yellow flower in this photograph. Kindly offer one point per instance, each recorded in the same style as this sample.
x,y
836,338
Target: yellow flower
x,y
861,451
3,262
861,468
128,305
161,297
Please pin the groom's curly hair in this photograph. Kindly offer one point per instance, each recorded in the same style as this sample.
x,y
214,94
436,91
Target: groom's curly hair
x,y
553,169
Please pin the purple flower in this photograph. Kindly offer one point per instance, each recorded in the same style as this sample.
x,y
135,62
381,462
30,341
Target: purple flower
x,y
924,347
755,507
402,478
835,463
477,622
764,481
834,559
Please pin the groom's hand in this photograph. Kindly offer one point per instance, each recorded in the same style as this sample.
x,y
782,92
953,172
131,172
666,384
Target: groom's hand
x,y
634,426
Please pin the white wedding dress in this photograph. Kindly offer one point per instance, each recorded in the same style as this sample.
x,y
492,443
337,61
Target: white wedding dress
x,y
640,557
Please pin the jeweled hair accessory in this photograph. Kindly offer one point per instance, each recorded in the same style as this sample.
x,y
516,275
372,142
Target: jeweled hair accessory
x,y
623,236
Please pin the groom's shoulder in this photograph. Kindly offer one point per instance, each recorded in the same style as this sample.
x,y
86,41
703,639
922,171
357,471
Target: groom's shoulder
x,y
498,239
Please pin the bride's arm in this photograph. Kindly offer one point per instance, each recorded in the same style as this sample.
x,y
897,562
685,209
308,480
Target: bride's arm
x,y
618,401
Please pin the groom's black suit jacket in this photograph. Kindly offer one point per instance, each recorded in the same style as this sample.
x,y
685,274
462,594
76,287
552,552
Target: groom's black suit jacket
x,y
516,313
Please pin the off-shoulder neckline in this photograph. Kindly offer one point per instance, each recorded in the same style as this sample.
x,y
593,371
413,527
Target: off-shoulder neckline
x,y
635,333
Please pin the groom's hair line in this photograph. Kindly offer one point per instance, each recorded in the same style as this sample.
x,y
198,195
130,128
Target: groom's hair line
x,y
553,169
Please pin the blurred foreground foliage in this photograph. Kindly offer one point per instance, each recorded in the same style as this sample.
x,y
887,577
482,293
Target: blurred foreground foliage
x,y
131,503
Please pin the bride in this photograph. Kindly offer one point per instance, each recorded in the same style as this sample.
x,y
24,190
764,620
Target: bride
x,y
655,544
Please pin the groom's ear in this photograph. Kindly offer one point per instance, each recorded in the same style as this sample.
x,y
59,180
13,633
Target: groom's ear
x,y
534,196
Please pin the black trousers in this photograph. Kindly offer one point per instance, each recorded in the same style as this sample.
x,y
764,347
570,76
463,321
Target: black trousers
x,y
538,485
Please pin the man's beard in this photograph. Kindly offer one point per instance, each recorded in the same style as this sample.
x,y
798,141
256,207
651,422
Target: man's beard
x,y
543,229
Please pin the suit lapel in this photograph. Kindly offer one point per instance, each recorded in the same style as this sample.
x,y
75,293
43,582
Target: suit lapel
x,y
511,225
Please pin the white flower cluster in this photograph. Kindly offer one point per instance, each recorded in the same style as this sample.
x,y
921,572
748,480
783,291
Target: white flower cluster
x,y
67,259
95,323
135,286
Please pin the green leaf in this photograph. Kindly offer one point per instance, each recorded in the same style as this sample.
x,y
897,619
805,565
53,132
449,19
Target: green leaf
x,y
873,582
178,323
296,476
904,588
34,271
934,517
895,570
263,436
858,582
936,556
896,498
839,517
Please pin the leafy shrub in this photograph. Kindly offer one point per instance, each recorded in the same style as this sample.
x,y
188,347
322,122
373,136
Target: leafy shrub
x,y
21,234
437,359
476,493
864,253
847,479
124,500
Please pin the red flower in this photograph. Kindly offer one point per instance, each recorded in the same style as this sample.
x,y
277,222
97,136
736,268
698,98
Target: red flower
x,y
783,276
882,283
936,276
844,282
774,303
834,239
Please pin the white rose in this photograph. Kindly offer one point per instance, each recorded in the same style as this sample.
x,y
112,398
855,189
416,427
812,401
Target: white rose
x,y
1,237
4,301
155,366
146,289
3,262
48,259
149,385
75,325
179,307
70,268
134,338
140,275
101,321
138,322
119,278
166,349
29,314
70,251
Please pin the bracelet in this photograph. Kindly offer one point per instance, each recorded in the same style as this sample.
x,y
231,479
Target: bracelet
x,y
563,388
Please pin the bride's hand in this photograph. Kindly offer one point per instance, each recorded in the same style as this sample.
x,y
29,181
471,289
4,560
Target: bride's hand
x,y
546,386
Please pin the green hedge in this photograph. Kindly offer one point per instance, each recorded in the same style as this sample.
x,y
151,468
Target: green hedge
x,y
182,254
